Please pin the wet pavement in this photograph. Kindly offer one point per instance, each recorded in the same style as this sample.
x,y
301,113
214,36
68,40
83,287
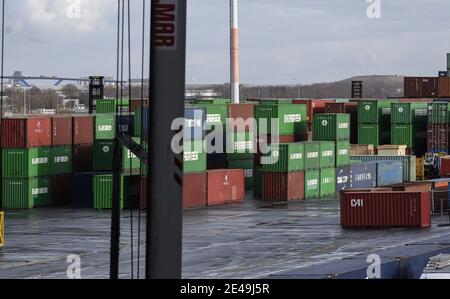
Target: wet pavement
x,y
237,241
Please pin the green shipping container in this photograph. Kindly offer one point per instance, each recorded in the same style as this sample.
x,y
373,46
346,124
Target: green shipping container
x,y
292,119
275,101
194,156
370,134
438,113
216,115
327,154
103,154
212,101
129,160
374,111
22,163
409,113
286,157
241,146
105,127
327,182
312,155
409,135
26,193
111,105
103,191
312,184
257,181
342,153
247,166
61,160
331,127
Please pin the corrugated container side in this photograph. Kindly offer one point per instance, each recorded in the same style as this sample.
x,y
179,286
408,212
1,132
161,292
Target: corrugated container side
x,y
135,103
312,184
83,129
288,157
216,115
327,182
409,113
444,87
312,155
409,164
438,113
62,130
257,181
241,145
194,156
445,166
226,186
331,127
438,137
105,126
413,136
61,160
363,175
125,123
26,132
26,193
292,119
327,154
369,134
247,166
195,190
82,191
342,153
385,210
282,187
389,173
21,163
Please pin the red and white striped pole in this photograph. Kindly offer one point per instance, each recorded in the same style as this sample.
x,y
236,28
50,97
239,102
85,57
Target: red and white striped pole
x,y
234,52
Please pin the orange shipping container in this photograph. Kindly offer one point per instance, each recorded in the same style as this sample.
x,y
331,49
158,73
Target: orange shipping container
x,y
225,186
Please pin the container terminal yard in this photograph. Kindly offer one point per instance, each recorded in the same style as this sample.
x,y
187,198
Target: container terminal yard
x,y
239,188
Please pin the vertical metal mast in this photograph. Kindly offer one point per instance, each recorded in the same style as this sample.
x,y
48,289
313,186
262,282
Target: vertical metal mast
x,y
234,52
167,90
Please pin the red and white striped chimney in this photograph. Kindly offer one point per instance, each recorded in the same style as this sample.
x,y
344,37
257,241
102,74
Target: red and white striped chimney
x,y
234,53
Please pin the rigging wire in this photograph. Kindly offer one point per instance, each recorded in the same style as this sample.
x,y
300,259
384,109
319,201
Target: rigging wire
x,y
142,118
130,157
1,92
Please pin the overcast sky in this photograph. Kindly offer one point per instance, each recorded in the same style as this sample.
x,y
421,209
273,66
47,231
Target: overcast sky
x,y
281,41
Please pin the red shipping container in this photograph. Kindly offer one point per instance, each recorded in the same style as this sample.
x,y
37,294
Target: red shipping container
x,y
413,187
244,112
281,187
313,106
445,166
420,87
194,191
62,130
438,138
385,209
225,186
82,158
83,132
61,189
26,132
444,87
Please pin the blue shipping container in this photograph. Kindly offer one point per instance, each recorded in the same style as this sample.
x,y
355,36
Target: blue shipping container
x,y
342,179
363,176
126,124
195,119
389,173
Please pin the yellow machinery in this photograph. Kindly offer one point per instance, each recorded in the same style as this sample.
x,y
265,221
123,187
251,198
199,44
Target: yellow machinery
x,y
2,229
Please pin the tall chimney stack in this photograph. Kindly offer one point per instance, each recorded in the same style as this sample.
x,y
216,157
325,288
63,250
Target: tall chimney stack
x,y
234,52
